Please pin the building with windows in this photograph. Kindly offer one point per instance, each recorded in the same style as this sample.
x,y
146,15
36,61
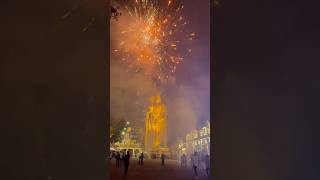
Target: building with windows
x,y
199,140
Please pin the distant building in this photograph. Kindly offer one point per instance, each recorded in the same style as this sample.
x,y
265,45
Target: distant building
x,y
130,141
136,134
199,140
178,149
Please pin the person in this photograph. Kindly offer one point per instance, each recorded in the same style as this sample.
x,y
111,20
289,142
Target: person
x,y
126,163
113,155
123,156
162,159
207,161
139,162
202,164
118,159
195,161
141,158
184,160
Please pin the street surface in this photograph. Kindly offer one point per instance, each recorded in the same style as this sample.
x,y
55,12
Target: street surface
x,y
153,170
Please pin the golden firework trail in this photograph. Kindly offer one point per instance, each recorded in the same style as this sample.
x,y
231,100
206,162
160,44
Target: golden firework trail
x,y
153,41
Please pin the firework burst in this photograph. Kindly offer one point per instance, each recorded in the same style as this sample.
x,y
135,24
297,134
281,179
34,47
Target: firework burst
x,y
153,42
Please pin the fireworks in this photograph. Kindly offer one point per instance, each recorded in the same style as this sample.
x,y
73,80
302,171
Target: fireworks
x,y
153,41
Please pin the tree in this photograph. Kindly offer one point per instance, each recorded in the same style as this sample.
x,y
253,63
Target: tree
x,y
116,130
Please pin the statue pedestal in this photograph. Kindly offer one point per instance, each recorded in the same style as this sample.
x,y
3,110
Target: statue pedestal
x,y
157,151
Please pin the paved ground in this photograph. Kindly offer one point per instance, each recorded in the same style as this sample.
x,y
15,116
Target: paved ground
x,y
153,170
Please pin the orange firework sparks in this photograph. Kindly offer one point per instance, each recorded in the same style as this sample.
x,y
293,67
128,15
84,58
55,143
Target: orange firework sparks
x,y
153,41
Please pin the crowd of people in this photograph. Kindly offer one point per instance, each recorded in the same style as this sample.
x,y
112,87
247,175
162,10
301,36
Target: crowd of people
x,y
198,161
121,158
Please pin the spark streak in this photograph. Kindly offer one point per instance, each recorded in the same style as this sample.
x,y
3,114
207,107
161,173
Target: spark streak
x,y
153,40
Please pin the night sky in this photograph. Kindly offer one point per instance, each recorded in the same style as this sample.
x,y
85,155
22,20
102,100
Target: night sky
x,y
195,71
193,75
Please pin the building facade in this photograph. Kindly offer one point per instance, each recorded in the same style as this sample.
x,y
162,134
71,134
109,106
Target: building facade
x,y
198,140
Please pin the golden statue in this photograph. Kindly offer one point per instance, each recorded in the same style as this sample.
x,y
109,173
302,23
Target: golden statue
x,y
156,132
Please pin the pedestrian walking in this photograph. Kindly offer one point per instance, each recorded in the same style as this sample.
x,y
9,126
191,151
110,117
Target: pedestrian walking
x,y
122,157
139,162
118,159
126,163
184,160
203,162
195,161
207,161
162,159
141,158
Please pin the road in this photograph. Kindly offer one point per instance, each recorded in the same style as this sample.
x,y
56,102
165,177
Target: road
x,y
153,170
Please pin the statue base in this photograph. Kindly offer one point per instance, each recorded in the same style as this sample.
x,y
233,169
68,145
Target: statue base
x,y
156,152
